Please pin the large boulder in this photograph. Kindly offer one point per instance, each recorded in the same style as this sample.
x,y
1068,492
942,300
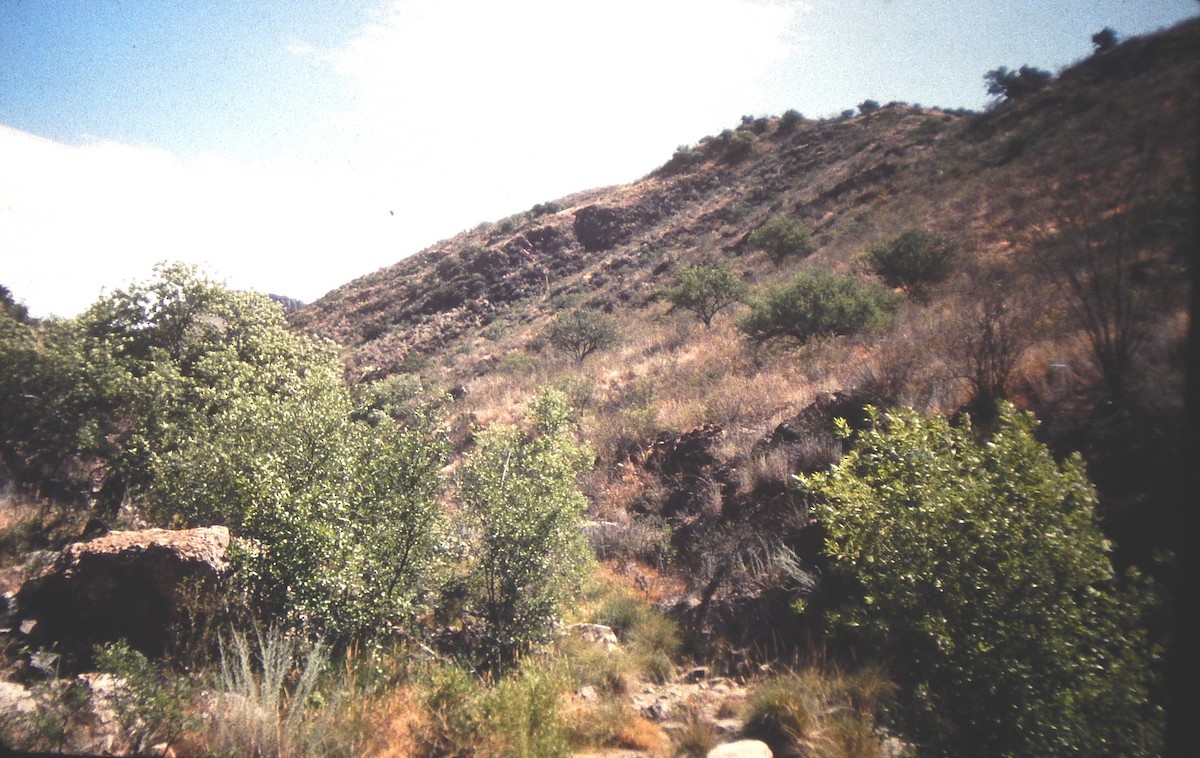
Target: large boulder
x,y
124,585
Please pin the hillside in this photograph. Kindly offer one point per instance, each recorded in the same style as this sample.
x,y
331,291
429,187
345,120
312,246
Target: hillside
x,y
988,179
1026,190
862,436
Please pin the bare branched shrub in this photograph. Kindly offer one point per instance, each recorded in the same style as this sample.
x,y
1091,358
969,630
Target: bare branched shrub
x,y
996,326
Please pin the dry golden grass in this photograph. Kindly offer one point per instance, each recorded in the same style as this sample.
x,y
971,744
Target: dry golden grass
x,y
394,725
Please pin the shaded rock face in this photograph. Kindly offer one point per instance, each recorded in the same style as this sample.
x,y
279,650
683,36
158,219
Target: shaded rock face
x,y
814,426
700,481
599,227
125,585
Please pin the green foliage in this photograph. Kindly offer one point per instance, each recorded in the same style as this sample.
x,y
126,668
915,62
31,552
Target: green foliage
x,y
651,639
782,238
580,333
737,146
198,401
819,713
977,569
868,106
519,488
10,307
705,290
816,304
151,705
1103,40
1011,85
518,717
789,120
914,261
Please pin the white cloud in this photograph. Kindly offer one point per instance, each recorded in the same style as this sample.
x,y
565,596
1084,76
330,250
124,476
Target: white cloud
x,y
78,219
462,112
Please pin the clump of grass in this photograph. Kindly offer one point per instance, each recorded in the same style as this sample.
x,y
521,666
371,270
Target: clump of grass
x,y
517,717
612,723
653,639
696,738
819,713
264,685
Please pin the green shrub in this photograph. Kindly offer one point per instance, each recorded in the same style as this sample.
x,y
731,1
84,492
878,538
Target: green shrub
x,y
582,332
1011,85
651,638
151,706
518,717
978,570
519,487
739,146
789,120
819,712
782,238
868,106
816,304
199,403
1104,40
914,261
705,290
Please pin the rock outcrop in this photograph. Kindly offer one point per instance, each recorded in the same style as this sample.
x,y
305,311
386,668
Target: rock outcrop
x,y
124,585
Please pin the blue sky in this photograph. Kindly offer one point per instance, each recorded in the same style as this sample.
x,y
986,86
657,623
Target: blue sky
x,y
292,146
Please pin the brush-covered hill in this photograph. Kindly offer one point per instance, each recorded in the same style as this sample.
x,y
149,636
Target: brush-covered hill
x,y
894,256
1071,207
992,181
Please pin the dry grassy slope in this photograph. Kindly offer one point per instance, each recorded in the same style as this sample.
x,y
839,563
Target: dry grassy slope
x,y
988,179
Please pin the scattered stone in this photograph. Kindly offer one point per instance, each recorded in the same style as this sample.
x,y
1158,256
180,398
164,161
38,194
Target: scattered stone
x,y
658,710
15,700
741,749
698,674
44,663
587,692
597,634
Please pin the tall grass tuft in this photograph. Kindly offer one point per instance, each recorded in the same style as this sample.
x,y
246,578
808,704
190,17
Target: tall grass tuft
x,y
264,686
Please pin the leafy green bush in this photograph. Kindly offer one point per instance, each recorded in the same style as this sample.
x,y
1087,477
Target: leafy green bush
x,y
738,146
914,261
582,332
517,717
197,402
519,487
1011,85
705,290
789,120
1104,40
978,570
151,705
782,238
816,304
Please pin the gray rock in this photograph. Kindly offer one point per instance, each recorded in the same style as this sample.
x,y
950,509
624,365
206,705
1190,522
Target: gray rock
x,y
124,585
741,749
15,700
597,634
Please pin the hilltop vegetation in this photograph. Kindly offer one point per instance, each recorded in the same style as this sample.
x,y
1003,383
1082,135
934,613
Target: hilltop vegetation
x,y
773,411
